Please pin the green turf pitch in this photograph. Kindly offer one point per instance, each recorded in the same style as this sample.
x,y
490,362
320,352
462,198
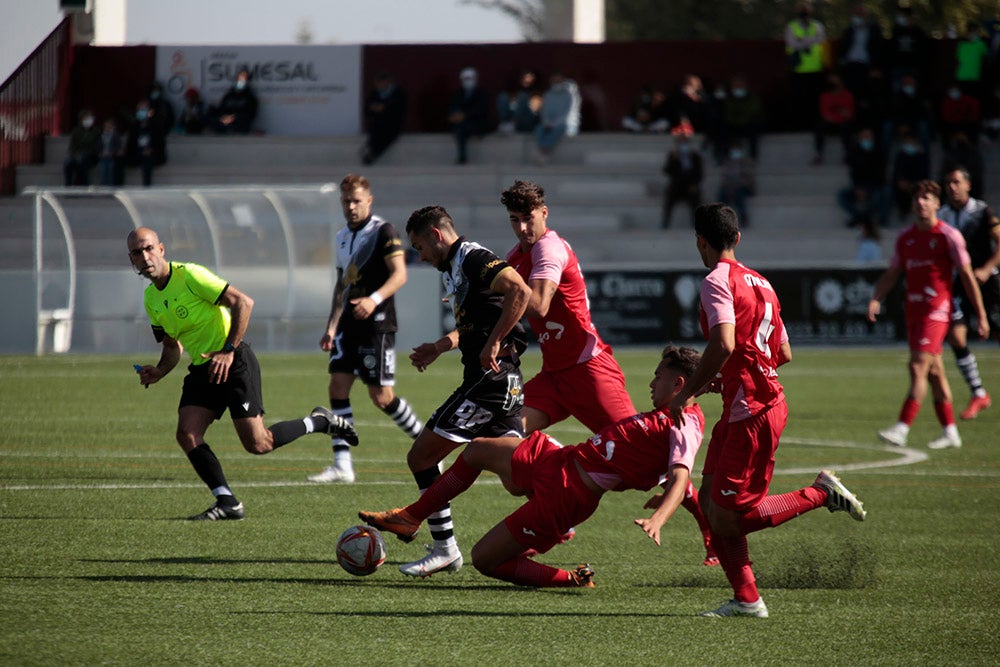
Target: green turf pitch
x,y
97,568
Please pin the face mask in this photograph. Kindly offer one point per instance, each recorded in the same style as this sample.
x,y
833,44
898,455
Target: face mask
x,y
954,93
240,85
141,114
909,90
736,154
857,21
88,122
721,94
155,95
911,149
684,148
866,144
739,93
900,19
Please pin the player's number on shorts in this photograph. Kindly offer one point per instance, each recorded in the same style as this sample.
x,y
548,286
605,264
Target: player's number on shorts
x,y
765,330
469,416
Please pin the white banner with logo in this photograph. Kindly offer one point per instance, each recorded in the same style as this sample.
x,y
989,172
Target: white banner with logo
x,y
301,90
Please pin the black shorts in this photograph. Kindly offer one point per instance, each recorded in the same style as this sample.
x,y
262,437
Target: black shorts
x,y
241,393
962,309
487,406
371,357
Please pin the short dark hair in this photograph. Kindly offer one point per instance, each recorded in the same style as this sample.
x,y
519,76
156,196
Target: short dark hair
x,y
960,169
684,360
926,186
523,197
429,216
718,224
352,182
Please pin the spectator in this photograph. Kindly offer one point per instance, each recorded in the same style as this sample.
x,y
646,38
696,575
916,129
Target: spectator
x,y
142,142
164,120
468,112
971,54
738,181
111,156
908,49
715,138
238,108
743,116
910,109
836,114
865,196
648,112
804,38
911,165
860,49
688,102
84,143
559,117
872,104
385,111
685,170
869,242
961,113
518,109
192,117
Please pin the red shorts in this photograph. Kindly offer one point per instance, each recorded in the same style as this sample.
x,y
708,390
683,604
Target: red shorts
x,y
593,392
557,497
925,335
741,457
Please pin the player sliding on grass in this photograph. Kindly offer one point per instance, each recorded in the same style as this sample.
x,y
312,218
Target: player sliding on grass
x,y
564,484
191,307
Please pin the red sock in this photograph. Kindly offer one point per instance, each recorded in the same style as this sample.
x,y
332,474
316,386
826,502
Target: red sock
x,y
690,503
776,510
734,556
911,407
945,412
450,484
526,572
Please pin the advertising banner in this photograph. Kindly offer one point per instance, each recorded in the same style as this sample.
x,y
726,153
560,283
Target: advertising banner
x,y
301,90
818,306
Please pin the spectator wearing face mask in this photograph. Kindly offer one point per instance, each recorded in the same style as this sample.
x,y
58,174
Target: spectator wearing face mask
x,y
142,140
111,158
961,113
911,165
743,116
865,196
84,142
685,171
468,113
860,49
909,109
237,110
738,181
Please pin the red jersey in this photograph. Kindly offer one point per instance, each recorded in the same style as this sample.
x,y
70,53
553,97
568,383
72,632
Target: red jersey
x,y
566,335
638,451
929,260
735,294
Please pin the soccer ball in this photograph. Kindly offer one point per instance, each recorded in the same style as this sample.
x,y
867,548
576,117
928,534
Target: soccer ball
x,y
361,550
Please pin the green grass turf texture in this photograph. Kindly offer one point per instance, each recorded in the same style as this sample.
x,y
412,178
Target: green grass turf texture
x,y
98,568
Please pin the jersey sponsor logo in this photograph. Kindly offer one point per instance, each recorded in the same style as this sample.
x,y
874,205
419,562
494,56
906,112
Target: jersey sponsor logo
x,y
471,416
551,326
182,312
528,531
728,492
369,361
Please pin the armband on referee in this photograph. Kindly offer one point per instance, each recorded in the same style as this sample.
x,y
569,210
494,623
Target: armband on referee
x,y
376,297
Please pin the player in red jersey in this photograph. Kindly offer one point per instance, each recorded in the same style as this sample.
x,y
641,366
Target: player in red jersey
x,y
564,484
741,319
929,253
579,375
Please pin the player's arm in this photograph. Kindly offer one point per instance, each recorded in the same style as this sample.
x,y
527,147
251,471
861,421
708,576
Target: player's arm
x,y
336,310
971,286
674,489
515,301
984,272
721,343
884,285
366,305
542,292
170,355
240,306
426,353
